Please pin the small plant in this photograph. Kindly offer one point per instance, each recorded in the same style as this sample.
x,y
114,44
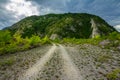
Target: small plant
x,y
7,62
104,58
114,75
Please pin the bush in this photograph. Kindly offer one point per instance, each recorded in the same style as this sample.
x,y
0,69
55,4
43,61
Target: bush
x,y
11,48
17,39
114,36
34,40
45,40
5,37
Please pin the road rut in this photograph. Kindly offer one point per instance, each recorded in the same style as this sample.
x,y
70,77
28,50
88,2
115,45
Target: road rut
x,y
32,72
68,67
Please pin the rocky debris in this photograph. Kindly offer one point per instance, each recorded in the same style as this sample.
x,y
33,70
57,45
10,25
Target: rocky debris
x,y
104,43
118,48
93,62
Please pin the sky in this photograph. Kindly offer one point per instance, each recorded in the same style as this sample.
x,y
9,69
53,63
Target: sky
x,y
11,11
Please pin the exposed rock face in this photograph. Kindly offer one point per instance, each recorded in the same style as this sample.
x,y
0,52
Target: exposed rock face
x,y
54,36
95,30
72,29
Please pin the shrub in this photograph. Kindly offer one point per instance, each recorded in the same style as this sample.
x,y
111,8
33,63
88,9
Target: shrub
x,y
26,44
114,36
45,40
5,36
17,39
11,48
34,40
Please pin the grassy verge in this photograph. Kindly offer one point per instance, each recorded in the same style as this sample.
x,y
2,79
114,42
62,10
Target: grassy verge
x,y
16,43
110,41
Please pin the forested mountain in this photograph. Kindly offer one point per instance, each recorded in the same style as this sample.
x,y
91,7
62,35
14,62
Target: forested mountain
x,y
68,25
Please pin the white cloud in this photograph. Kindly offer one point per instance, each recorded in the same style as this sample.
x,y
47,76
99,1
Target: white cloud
x,y
48,10
22,8
117,27
12,11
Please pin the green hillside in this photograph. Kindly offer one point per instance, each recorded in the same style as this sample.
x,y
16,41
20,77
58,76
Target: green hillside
x,y
69,25
74,28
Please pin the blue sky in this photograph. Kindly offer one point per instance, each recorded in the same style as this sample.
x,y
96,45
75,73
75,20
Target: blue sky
x,y
11,11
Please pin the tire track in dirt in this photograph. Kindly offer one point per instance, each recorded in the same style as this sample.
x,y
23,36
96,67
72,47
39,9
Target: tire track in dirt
x,y
32,73
70,70
72,73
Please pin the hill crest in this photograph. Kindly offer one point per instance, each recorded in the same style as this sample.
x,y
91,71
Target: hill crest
x,y
68,25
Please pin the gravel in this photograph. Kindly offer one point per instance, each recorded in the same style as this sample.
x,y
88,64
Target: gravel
x,y
63,62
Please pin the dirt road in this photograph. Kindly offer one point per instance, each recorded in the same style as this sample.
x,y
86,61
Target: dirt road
x,y
60,62
68,66
33,71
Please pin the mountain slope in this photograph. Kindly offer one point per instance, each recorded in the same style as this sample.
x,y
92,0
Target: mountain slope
x,y
69,25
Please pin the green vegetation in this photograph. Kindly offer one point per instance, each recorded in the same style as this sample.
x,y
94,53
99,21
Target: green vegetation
x,y
5,37
94,41
104,58
114,75
7,62
68,25
69,28
15,43
34,40
112,40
